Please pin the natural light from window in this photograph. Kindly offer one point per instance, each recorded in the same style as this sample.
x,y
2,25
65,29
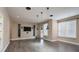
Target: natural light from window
x,y
67,29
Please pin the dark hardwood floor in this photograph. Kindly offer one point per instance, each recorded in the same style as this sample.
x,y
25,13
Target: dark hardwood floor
x,y
40,46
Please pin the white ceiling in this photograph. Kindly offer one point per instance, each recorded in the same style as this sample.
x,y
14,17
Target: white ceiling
x,y
20,14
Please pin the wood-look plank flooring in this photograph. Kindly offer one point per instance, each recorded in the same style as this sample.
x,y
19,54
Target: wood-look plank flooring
x,y
40,46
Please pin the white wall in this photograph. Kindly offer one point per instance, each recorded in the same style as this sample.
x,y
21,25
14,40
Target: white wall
x,y
6,29
13,30
24,35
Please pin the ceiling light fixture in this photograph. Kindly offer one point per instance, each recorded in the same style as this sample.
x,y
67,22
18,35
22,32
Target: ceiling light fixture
x,y
41,12
28,8
47,8
51,15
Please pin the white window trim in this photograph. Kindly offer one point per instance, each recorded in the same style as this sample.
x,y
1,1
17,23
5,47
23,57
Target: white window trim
x,y
64,35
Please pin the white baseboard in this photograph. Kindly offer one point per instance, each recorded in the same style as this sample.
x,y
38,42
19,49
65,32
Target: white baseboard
x,y
22,38
64,41
75,43
51,40
3,50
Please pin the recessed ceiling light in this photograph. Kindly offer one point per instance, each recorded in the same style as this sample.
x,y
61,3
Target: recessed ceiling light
x,y
51,15
28,8
41,12
47,8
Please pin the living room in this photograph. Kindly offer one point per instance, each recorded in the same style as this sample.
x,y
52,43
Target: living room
x,y
39,29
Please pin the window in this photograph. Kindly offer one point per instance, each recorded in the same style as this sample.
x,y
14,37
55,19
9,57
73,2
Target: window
x,y
1,27
67,29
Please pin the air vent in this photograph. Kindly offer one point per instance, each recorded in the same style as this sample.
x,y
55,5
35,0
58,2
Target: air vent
x,y
28,8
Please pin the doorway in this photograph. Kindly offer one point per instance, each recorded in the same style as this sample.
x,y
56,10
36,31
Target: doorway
x,y
44,31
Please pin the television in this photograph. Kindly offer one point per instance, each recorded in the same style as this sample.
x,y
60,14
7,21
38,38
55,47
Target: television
x,y
27,28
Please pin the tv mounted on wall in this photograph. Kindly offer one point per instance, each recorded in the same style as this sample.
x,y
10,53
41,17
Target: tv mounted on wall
x,y
27,28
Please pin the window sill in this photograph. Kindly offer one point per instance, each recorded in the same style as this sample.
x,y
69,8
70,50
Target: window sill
x,y
67,37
